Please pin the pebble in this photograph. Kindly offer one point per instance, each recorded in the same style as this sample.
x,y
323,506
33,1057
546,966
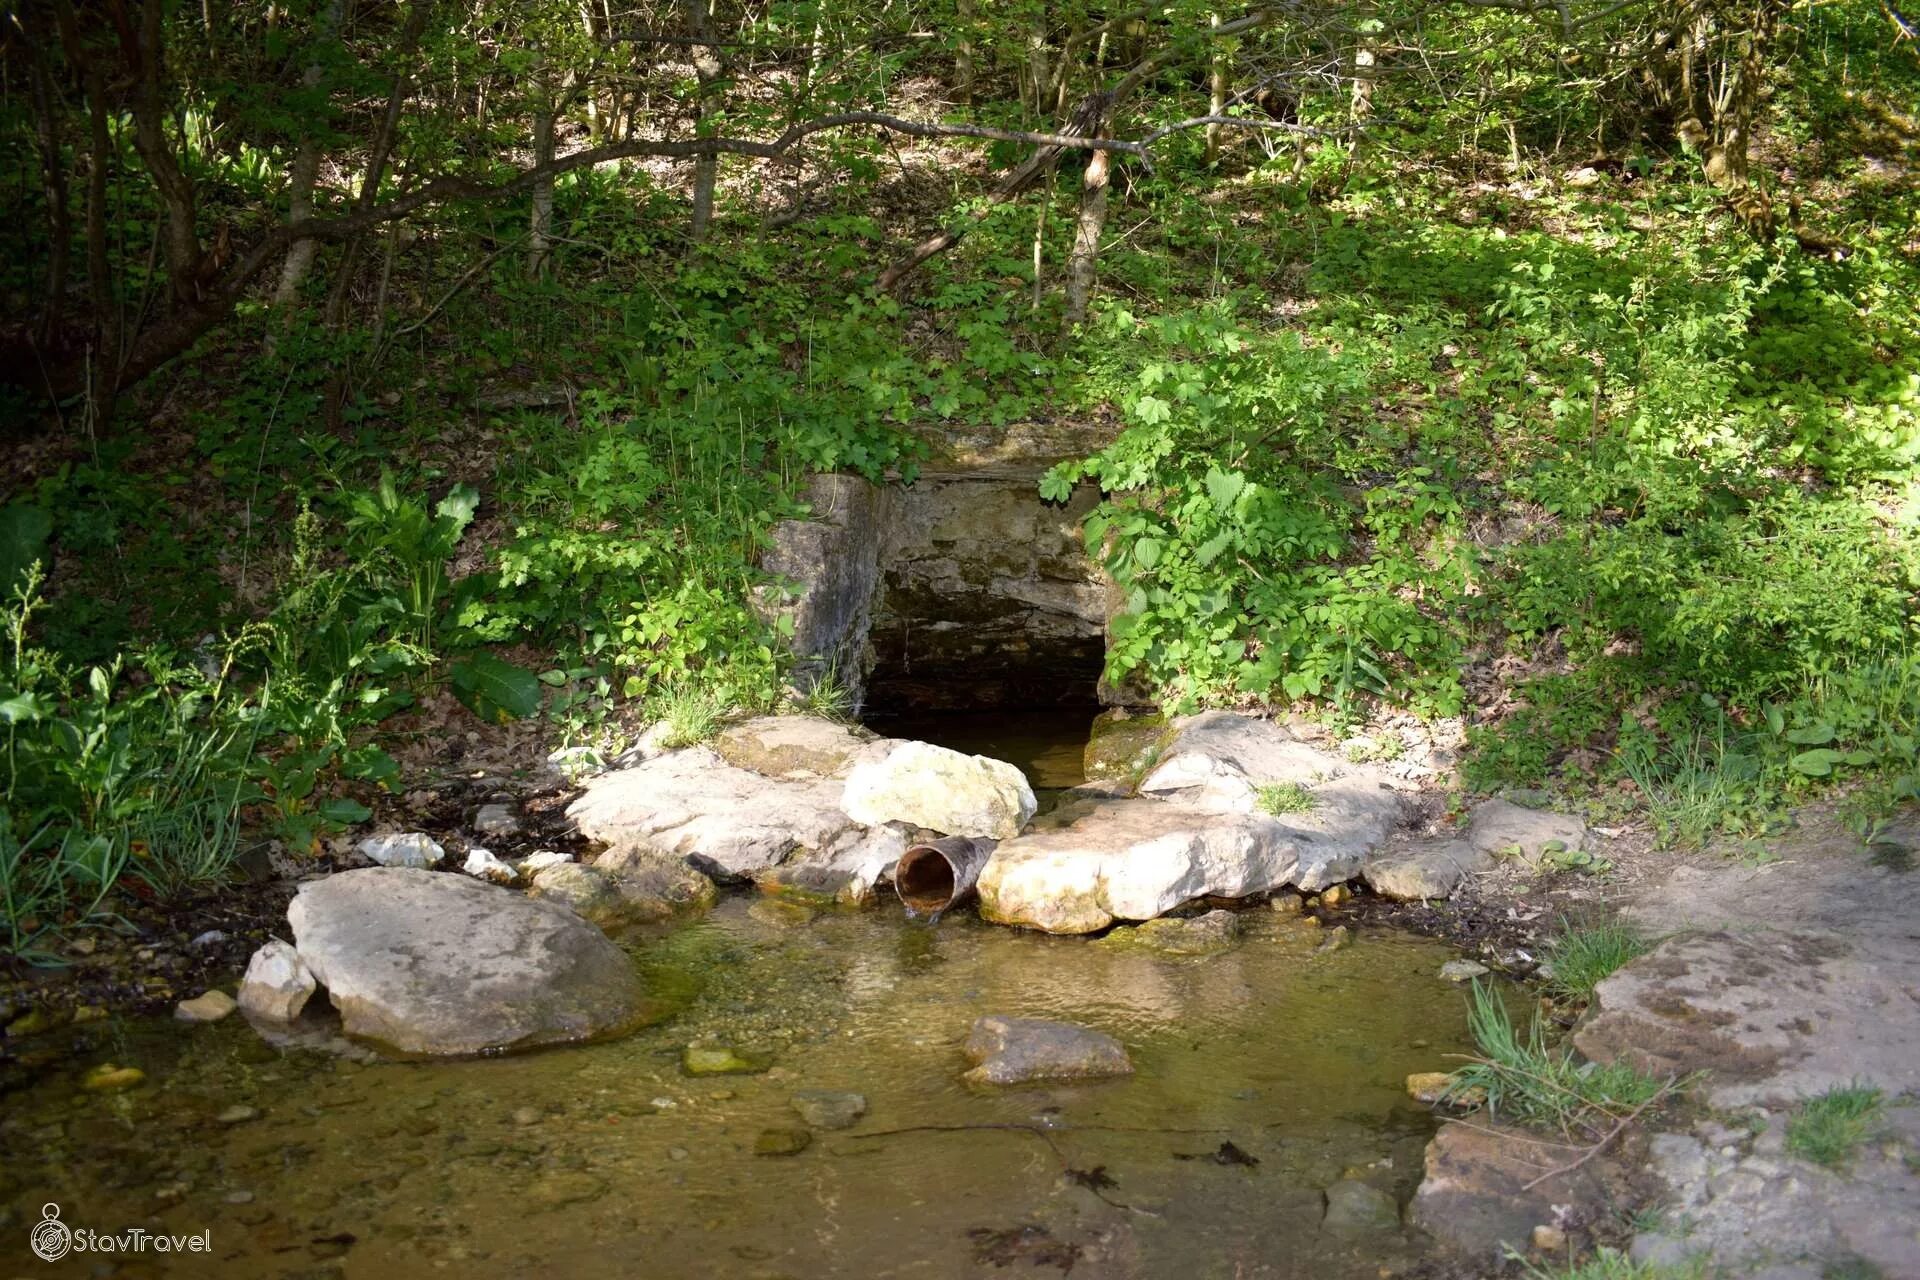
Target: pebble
x,y
524,1116
107,1078
1337,937
209,1006
239,1197
1334,895
1549,1239
239,1113
1463,970
782,1140
1286,904
677,1153
211,937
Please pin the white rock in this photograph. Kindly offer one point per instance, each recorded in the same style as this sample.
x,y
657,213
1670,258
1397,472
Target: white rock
x,y
728,822
1137,859
1463,970
482,862
425,964
277,984
534,863
402,849
1499,825
497,818
945,791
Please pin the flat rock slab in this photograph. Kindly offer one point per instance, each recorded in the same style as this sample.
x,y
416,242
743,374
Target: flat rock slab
x,y
1220,761
1746,1207
1137,859
792,747
1487,1188
1018,1050
1499,825
425,964
1773,1015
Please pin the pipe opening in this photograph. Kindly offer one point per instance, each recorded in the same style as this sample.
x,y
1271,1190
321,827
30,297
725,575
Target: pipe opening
x,y
924,879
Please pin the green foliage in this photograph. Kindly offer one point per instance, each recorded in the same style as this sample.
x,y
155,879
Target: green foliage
x,y
1279,798
1610,1264
1583,955
1830,1127
1531,1082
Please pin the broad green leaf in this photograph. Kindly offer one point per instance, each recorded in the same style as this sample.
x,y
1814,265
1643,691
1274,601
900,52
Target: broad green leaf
x,y
1811,735
1146,552
1224,487
495,690
343,811
1815,764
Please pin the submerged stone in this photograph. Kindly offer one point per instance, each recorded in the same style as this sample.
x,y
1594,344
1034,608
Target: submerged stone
x,y
717,1060
791,747
829,1108
782,1140
1206,935
209,1006
1017,1050
1355,1208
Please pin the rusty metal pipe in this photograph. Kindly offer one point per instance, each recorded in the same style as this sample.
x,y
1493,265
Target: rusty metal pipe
x,y
938,875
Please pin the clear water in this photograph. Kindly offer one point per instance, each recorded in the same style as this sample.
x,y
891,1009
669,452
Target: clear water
x,y
606,1160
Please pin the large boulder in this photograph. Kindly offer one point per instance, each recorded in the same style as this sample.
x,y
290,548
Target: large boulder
x,y
942,790
1426,871
1137,859
424,964
730,823
1017,1050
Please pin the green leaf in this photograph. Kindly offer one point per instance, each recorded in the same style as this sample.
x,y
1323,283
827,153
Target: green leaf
x,y
1224,487
1811,735
495,690
1815,764
23,539
22,708
1146,552
343,811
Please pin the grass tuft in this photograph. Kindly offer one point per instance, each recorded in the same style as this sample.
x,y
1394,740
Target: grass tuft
x,y
693,713
1582,956
1830,1127
1536,1084
1610,1264
1280,798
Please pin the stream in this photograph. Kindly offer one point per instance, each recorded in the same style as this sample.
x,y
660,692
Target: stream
x,y
1263,1074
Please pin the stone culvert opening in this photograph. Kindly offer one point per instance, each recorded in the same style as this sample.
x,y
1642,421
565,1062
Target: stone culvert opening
x,y
963,592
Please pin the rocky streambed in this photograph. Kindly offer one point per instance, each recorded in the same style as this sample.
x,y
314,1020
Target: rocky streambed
x,y
769,1069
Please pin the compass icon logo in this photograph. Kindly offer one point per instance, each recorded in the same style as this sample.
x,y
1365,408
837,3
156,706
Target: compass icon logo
x,y
51,1238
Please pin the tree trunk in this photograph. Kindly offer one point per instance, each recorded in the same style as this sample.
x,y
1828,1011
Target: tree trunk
x,y
1216,92
963,55
1086,235
303,172
707,67
540,227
